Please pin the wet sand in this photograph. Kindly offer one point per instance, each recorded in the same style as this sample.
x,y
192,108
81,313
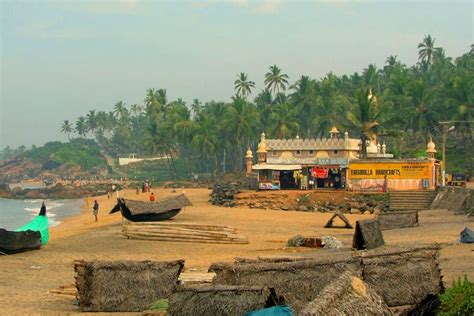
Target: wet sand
x,y
27,278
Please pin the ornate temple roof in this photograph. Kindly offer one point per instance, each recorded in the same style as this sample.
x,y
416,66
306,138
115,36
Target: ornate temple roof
x,y
313,144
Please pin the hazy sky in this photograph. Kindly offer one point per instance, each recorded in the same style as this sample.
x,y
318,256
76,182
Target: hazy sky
x,y
60,59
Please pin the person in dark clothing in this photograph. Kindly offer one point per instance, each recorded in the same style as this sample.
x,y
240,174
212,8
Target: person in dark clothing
x,y
95,209
42,210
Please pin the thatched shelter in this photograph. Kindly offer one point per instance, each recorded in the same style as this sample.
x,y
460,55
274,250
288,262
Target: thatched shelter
x,y
347,295
403,275
122,286
219,300
299,282
402,219
338,214
367,235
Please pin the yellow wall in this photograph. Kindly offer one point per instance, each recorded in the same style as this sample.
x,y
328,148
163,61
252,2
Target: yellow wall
x,y
395,170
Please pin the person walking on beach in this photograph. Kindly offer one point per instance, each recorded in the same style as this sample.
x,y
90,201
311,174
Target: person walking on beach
x,y
152,197
95,209
88,201
42,210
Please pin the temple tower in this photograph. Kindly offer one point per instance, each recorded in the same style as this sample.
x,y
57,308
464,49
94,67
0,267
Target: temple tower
x,y
262,150
249,158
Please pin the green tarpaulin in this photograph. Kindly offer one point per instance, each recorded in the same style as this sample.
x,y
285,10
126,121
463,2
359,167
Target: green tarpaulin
x,y
40,224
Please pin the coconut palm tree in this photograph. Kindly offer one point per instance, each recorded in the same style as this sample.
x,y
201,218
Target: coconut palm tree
x,y
81,126
241,121
284,121
427,50
67,128
275,80
91,121
303,98
120,110
243,86
364,117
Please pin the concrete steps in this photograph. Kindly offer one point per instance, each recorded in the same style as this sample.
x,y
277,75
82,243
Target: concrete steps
x,y
410,200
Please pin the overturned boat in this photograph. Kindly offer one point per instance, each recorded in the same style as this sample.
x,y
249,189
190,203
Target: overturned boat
x,y
28,237
140,211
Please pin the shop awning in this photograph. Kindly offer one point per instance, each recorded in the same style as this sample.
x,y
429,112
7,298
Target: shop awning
x,y
265,166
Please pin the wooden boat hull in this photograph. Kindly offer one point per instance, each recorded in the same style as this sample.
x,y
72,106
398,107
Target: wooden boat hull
x,y
13,242
149,217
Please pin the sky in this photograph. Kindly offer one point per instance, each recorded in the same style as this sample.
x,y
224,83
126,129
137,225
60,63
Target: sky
x,y
60,59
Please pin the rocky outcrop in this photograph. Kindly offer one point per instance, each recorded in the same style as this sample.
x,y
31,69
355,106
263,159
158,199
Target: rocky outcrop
x,y
5,191
223,194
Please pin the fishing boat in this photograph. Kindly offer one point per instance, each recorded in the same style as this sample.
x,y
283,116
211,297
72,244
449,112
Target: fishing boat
x,y
11,241
28,237
140,211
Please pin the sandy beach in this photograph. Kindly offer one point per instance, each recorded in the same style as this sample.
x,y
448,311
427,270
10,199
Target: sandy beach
x,y
26,279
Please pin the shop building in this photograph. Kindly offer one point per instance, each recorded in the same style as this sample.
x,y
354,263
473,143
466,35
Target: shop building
x,y
334,163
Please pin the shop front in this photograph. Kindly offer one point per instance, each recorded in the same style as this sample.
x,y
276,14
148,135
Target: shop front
x,y
418,174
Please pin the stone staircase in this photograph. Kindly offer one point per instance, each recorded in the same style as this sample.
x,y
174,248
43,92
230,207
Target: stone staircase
x,y
410,200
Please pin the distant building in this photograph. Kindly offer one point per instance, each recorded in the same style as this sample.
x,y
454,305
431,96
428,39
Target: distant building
x,y
331,163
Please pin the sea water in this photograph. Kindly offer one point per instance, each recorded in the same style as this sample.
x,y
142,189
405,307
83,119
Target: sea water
x,y
16,213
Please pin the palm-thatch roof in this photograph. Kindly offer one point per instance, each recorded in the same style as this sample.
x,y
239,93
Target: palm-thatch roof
x,y
144,207
346,296
123,286
299,282
403,275
402,219
338,214
218,300
367,235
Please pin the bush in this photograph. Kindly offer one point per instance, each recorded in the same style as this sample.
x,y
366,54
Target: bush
x,y
458,300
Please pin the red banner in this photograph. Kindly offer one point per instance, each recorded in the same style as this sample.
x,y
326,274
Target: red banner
x,y
320,173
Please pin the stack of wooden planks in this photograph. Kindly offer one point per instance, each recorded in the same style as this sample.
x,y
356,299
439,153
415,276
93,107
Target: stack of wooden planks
x,y
183,232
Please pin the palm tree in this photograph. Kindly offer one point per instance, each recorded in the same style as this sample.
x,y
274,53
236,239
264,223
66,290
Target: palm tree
x,y
283,121
275,80
365,118
303,98
81,126
196,107
67,128
120,110
427,50
243,86
91,121
241,120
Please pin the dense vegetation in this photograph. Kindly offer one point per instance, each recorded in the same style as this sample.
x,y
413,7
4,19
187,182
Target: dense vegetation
x,y
458,300
78,152
403,104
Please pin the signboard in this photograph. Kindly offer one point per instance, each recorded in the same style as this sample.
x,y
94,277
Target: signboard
x,y
403,170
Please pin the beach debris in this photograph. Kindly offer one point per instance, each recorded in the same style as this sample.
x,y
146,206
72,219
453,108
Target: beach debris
x,y
296,241
402,219
219,299
183,232
367,235
35,267
338,214
124,286
467,235
345,295
330,242
68,290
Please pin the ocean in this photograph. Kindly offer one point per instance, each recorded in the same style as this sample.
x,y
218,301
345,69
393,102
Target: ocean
x,y
16,213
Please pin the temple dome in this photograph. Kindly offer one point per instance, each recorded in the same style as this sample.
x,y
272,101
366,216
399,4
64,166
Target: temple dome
x,y
431,146
249,154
